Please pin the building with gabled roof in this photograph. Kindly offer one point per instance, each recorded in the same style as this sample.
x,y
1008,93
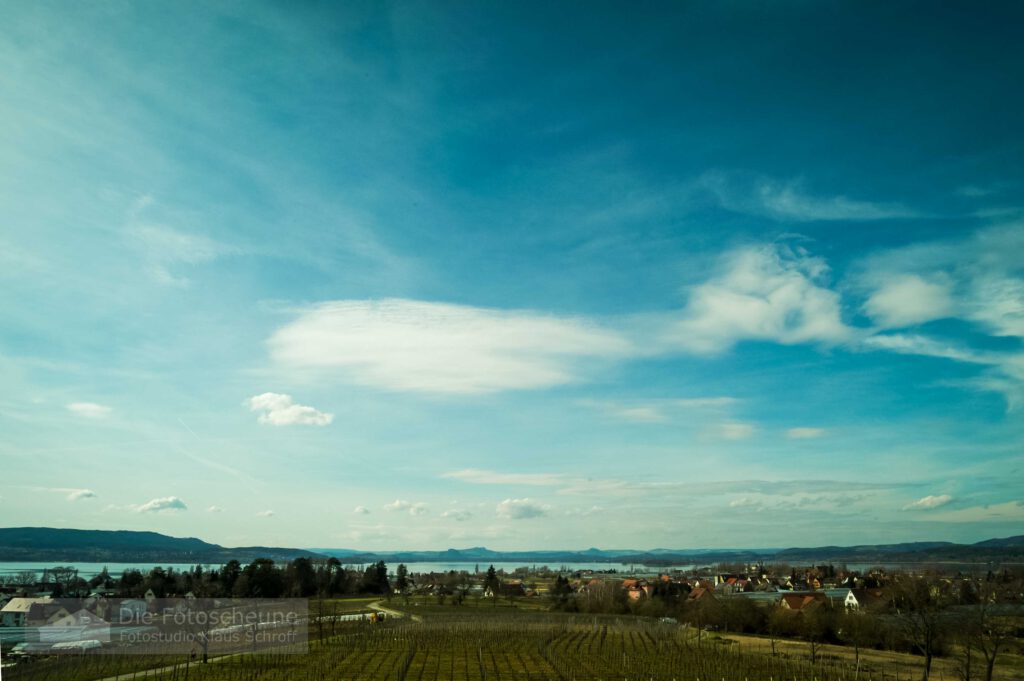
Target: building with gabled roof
x,y
801,602
15,613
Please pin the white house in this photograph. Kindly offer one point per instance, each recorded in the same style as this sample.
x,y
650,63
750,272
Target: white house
x,y
15,612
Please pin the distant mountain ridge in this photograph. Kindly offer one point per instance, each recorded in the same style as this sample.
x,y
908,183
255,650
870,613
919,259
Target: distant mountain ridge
x,y
19,544
991,549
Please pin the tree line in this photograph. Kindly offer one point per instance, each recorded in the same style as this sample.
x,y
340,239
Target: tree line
x,y
262,578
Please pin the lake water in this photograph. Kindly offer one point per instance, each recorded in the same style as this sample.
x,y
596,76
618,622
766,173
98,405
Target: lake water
x,y
88,570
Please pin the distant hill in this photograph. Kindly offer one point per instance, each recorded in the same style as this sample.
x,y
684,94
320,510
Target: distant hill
x,y
1017,541
98,546
911,552
124,546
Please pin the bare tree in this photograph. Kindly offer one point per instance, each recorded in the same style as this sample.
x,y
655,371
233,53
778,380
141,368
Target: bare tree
x,y
920,604
24,578
988,624
815,622
780,623
859,629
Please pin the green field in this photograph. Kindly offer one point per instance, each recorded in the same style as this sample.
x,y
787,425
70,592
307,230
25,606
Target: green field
x,y
473,644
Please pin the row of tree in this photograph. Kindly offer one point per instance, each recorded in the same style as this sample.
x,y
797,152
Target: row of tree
x,y
263,578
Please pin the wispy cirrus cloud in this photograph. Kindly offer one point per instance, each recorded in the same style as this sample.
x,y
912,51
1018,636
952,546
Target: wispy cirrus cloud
x,y
71,493
790,201
1003,512
485,477
916,344
658,410
1005,372
732,430
569,484
428,347
281,410
165,249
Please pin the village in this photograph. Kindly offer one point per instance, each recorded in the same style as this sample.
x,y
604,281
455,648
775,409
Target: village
x,y
26,602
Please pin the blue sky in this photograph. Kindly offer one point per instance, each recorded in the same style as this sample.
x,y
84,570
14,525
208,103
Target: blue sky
x,y
398,275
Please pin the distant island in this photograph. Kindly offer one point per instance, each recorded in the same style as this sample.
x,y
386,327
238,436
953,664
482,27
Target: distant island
x,y
20,544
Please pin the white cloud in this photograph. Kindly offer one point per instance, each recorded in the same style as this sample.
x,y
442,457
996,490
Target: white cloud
x,y
909,299
983,273
89,409
978,279
414,509
215,509
804,433
790,202
280,410
417,346
770,293
361,510
742,503
265,514
459,515
162,504
930,501
520,509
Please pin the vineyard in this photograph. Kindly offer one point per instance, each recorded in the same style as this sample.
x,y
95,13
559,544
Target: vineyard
x,y
526,647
